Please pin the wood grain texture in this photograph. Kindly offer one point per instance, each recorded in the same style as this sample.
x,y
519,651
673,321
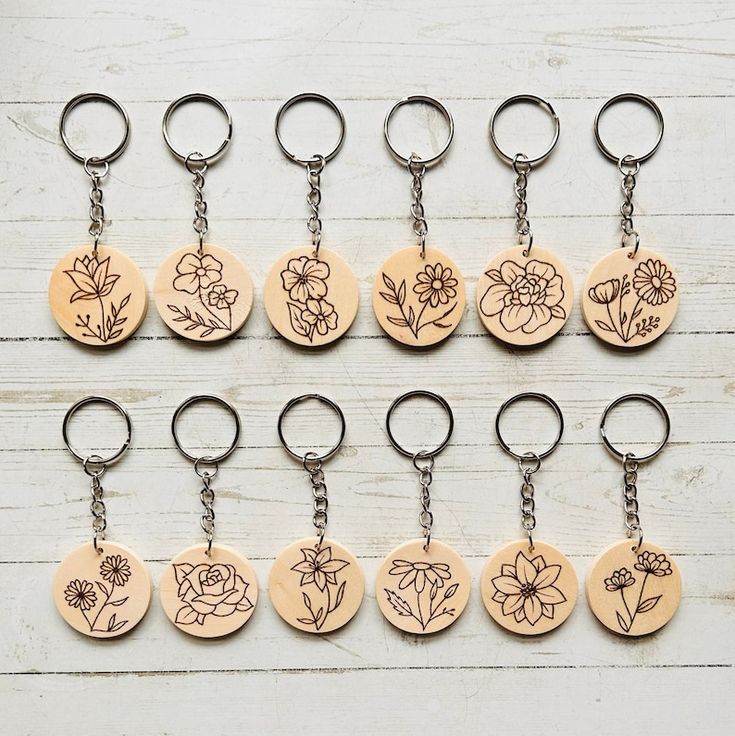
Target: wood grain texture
x,y
271,678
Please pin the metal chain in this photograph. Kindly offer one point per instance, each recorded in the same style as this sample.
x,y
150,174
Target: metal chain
x,y
206,495
629,169
420,226
96,209
97,505
630,498
198,168
313,466
522,169
426,517
314,199
528,504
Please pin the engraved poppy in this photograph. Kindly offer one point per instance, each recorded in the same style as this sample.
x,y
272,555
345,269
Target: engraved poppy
x,y
91,277
526,589
197,272
318,567
216,589
653,282
221,297
650,562
605,292
419,574
115,569
80,594
320,314
620,579
525,297
305,278
436,285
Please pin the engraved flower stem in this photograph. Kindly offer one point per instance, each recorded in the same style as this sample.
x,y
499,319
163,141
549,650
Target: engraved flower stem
x,y
625,603
102,320
102,608
209,311
630,323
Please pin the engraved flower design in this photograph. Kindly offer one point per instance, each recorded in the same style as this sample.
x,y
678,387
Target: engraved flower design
x,y
654,282
115,569
657,565
526,589
605,292
91,277
436,285
419,574
221,297
197,272
320,314
305,278
318,567
80,594
526,297
620,579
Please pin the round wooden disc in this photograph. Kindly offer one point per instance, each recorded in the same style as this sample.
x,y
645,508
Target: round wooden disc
x,y
419,301
529,592
102,594
525,300
629,302
634,593
209,595
316,589
97,301
311,301
203,298
422,592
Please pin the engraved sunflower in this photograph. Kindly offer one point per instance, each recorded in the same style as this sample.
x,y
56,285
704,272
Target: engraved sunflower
x,y
318,567
651,563
419,574
305,278
436,285
80,594
620,579
654,282
115,569
197,272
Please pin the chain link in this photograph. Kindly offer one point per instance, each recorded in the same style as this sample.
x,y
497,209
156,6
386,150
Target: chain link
x,y
95,469
629,169
96,208
528,504
313,466
206,495
314,199
197,168
420,226
522,169
426,517
630,498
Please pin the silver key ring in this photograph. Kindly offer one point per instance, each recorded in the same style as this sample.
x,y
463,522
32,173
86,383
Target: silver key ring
x,y
95,459
648,399
314,97
522,397
630,97
409,101
516,99
197,97
94,97
427,395
205,459
311,456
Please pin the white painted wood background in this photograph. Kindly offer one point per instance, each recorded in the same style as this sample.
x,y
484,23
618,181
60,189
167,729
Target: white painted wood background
x,y
368,678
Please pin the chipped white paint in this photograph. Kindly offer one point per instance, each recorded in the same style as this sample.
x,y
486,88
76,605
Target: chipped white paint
x,y
269,678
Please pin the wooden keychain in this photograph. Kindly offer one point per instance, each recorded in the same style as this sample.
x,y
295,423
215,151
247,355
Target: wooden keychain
x,y
101,589
208,590
97,294
311,294
419,294
525,295
631,296
316,584
202,292
529,587
634,588
423,585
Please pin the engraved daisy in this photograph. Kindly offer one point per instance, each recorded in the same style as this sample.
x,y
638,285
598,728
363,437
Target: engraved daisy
x,y
305,278
80,594
654,282
436,285
318,567
115,569
620,579
653,564
419,574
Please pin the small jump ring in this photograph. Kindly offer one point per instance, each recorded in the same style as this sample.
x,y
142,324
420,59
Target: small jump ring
x,y
311,456
430,160
314,97
208,459
656,404
197,97
543,104
630,97
96,459
94,97
520,397
421,453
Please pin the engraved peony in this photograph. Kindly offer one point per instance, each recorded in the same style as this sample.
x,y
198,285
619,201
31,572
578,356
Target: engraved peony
x,y
525,297
216,590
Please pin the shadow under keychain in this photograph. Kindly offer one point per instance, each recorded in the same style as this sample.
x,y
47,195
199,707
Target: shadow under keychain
x,y
529,587
631,296
419,293
316,584
202,292
96,293
423,585
311,295
101,589
634,589
525,295
208,590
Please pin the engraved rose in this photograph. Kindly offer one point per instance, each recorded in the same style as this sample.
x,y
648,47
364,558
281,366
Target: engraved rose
x,y
209,590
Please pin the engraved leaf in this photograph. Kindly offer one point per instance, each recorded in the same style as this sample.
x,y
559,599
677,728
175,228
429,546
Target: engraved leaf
x,y
451,590
244,605
389,282
637,313
340,594
111,622
108,284
119,602
81,295
648,604
300,327
400,606
124,303
398,321
402,292
114,334
621,622
307,601
119,625
186,615
181,570
604,326
307,621
433,591
390,298
318,614
103,588
411,316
